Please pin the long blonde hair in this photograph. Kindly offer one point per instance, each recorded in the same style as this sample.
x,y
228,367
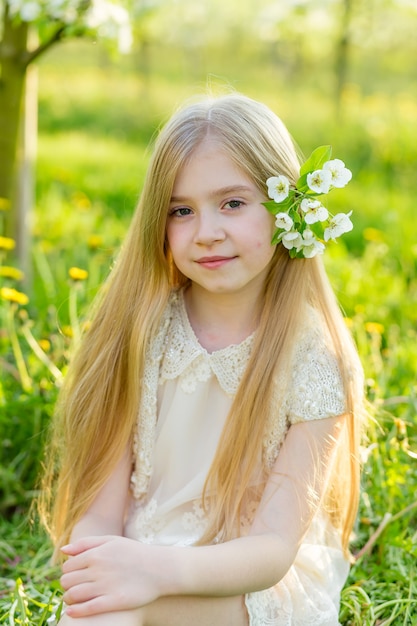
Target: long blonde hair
x,y
97,409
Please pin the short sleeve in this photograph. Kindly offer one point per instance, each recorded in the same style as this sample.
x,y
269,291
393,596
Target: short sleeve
x,y
316,387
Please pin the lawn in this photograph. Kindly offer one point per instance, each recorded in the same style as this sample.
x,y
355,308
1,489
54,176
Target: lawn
x,y
95,125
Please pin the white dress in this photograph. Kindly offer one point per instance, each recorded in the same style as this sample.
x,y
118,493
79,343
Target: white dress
x,y
187,393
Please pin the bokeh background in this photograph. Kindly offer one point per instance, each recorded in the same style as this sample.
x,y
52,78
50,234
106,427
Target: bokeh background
x,y
340,72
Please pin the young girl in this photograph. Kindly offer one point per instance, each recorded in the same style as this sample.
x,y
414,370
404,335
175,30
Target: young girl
x,y
204,464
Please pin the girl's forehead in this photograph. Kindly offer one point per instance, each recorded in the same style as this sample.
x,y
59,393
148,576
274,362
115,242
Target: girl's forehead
x,y
212,153
210,166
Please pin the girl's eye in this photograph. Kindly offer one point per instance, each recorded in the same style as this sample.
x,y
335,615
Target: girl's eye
x,y
233,204
180,212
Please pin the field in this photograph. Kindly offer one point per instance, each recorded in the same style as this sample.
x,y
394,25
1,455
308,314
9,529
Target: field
x,y
96,121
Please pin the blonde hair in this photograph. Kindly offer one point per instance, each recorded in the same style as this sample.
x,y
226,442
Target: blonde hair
x,y
97,410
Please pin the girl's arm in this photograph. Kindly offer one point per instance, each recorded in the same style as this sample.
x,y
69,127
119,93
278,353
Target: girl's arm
x,y
106,515
110,573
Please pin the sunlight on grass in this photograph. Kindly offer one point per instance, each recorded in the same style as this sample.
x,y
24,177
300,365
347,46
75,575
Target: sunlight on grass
x,y
97,119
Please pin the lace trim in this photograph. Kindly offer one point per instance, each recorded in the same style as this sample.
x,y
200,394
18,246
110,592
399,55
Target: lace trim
x,y
295,601
144,435
187,360
313,388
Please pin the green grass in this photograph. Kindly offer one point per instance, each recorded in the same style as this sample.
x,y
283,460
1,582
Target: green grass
x,y
96,121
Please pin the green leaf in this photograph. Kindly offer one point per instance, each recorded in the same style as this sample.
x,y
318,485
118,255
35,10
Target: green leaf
x,y
317,158
271,206
277,236
277,207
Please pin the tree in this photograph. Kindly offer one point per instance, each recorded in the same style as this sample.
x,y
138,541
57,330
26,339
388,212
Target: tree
x,y
28,28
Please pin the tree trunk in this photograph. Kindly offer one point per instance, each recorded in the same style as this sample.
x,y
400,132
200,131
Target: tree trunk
x,y
25,188
342,53
12,81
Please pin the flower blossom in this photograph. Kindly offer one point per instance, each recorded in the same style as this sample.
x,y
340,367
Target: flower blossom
x,y
7,243
12,295
319,181
341,175
314,211
112,21
311,245
292,240
76,273
107,18
339,225
278,188
284,221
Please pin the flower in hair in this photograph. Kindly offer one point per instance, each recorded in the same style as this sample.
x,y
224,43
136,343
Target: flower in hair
x,y
303,224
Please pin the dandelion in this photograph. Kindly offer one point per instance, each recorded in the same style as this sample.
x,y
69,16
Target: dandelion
x,y
12,295
11,272
94,242
4,204
77,274
374,328
373,234
6,243
45,344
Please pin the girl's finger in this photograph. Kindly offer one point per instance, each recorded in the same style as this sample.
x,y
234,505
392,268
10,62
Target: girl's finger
x,y
76,577
80,594
86,543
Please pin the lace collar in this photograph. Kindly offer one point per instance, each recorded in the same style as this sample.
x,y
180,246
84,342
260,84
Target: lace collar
x,y
185,357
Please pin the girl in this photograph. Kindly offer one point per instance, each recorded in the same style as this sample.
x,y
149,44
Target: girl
x,y
204,465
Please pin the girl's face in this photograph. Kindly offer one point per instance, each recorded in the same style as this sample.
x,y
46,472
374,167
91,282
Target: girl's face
x,y
218,231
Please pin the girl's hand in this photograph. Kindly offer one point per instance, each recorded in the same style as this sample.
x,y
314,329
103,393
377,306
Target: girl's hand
x,y
110,573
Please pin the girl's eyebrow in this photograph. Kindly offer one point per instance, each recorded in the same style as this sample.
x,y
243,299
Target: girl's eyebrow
x,y
219,192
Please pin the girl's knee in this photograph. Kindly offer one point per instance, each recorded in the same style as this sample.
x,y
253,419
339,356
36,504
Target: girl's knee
x,y
121,618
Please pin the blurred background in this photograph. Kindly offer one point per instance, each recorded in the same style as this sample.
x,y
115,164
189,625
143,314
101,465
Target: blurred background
x,y
100,80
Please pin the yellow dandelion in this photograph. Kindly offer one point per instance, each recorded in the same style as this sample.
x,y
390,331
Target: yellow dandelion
x,y
76,273
6,243
374,328
4,204
81,200
11,272
67,331
348,322
400,425
45,344
12,295
94,241
373,234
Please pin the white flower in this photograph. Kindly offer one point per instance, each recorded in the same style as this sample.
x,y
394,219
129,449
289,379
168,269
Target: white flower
x,y
339,224
278,188
314,211
284,221
311,245
292,240
319,181
340,174
29,11
112,21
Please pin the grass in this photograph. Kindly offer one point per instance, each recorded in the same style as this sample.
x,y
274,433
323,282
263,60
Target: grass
x,y
96,122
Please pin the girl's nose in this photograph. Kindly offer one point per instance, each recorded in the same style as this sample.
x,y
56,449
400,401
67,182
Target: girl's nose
x,y
209,229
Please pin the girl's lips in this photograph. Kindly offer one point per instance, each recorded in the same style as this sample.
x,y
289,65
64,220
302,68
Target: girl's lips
x,y
213,262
